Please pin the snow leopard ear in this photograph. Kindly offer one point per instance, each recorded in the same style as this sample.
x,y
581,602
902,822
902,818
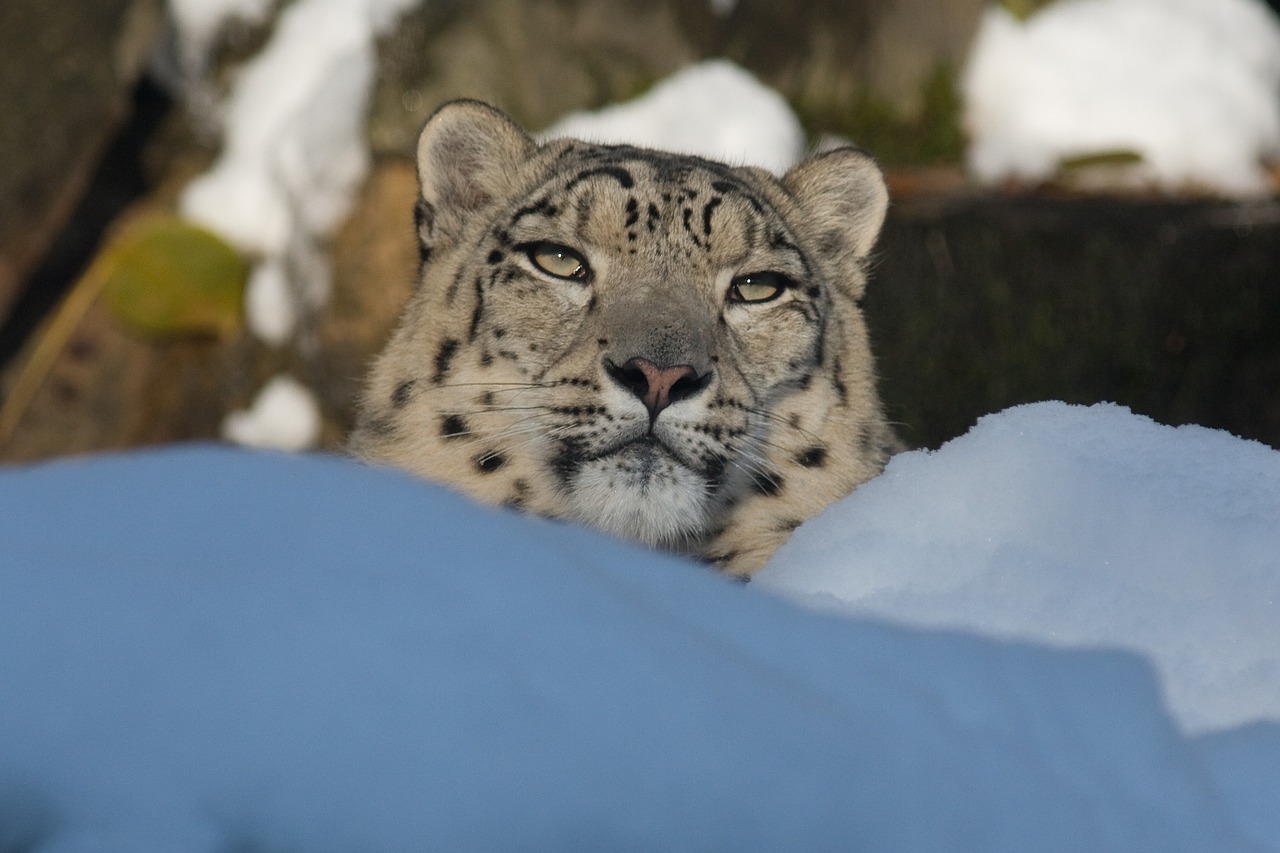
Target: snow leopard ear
x,y
467,155
843,195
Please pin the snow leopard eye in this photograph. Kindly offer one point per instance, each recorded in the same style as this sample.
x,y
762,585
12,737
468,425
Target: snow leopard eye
x,y
758,287
559,261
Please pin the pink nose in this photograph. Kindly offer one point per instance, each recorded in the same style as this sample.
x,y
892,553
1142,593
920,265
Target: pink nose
x,y
657,387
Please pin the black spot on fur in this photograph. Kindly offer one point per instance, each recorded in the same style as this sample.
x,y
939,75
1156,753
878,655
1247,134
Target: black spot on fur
x,y
633,212
654,216
453,426
495,256
379,426
812,457
487,463
444,356
476,312
519,494
841,391
727,186
713,468
565,463
423,217
779,240
706,214
541,207
768,484
400,394
619,174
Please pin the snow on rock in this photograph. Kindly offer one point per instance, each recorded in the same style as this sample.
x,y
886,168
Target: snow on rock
x,y
294,151
1193,86
198,22
270,307
284,416
1086,527
713,109
205,649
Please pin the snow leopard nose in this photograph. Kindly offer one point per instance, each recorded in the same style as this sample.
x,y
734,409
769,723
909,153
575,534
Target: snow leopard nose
x,y
657,387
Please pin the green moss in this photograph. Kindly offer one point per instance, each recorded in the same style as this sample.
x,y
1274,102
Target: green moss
x,y
1117,157
873,123
1023,9
167,277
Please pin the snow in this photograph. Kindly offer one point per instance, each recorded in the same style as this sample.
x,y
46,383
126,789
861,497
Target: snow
x,y
204,648
713,109
284,416
1193,86
294,151
270,307
198,23
294,155
1073,526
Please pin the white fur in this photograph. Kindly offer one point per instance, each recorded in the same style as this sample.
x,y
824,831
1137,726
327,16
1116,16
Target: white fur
x,y
664,509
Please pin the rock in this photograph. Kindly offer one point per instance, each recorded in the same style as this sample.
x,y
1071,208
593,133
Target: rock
x,y
881,72
65,84
536,59
982,301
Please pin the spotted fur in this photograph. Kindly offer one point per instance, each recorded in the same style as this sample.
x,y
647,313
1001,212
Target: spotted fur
x,y
640,392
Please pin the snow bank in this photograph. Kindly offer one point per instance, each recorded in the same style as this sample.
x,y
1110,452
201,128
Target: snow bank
x,y
1193,86
713,109
204,649
1080,527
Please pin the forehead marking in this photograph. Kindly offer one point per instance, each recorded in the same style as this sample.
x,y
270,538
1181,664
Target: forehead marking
x,y
619,174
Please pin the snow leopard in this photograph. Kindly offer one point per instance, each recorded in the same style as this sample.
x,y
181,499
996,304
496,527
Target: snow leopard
x,y
665,347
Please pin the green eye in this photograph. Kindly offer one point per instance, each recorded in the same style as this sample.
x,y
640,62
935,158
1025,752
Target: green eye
x,y
559,261
758,287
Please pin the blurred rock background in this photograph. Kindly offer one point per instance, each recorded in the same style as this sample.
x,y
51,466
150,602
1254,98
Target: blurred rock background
x,y
980,298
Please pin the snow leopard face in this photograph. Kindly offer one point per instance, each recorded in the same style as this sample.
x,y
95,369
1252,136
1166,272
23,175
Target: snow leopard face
x,y
661,346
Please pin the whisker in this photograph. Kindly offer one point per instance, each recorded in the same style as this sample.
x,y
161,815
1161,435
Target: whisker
x,y
508,385
775,418
494,410
755,471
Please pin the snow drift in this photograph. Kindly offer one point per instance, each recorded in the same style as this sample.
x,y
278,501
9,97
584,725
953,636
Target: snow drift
x,y
203,649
